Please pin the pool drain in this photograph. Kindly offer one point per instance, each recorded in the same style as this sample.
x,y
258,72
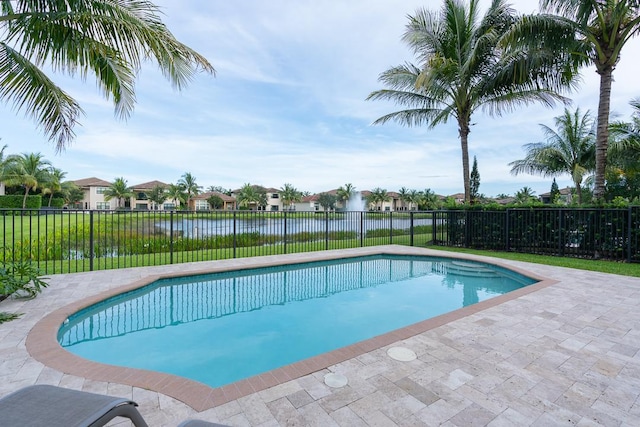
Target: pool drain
x,y
335,380
402,354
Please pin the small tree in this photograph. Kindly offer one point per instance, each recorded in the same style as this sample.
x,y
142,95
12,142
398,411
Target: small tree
x,y
158,195
474,181
554,194
215,202
327,201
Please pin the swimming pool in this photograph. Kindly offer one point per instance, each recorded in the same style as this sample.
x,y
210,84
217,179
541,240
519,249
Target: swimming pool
x,y
223,327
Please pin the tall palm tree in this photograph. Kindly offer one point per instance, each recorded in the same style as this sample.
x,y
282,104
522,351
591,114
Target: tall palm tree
x,y
594,32
290,195
109,39
429,199
118,190
624,156
29,170
53,183
176,193
344,193
190,186
462,68
568,149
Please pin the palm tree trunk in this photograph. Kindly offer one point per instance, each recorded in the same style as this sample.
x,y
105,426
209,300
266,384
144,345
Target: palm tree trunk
x,y
602,132
24,199
463,130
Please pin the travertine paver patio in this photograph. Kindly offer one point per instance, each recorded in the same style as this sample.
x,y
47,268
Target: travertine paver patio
x,y
565,354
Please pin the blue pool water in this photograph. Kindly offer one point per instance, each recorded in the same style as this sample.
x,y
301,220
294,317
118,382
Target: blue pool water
x,y
223,327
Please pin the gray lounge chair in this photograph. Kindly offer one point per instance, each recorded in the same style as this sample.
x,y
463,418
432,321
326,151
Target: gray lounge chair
x,y
49,406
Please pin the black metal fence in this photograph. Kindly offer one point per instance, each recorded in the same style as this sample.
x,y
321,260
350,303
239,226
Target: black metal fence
x,y
612,234
66,241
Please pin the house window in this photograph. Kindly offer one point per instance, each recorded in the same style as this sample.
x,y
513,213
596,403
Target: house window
x,y
103,206
168,206
142,207
275,196
142,196
202,205
101,190
274,207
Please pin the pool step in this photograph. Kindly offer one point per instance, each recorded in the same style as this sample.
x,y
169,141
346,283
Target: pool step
x,y
470,269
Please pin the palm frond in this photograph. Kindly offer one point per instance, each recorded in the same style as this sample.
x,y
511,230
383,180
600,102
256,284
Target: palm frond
x,y
24,85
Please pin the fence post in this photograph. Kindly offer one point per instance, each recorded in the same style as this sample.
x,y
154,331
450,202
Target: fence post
x,y
361,228
390,227
91,243
467,228
285,230
411,228
561,233
171,237
234,233
507,231
629,234
326,230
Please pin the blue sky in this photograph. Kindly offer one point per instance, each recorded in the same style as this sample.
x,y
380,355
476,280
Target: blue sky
x,y
288,106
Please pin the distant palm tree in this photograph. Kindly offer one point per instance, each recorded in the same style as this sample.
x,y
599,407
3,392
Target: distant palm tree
x,y
405,197
429,199
28,171
53,183
377,197
118,190
71,193
176,193
190,187
290,195
625,145
344,193
525,195
413,198
569,149
249,195
462,68
110,39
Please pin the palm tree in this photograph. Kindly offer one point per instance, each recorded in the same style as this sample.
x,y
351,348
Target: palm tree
x,y
290,195
429,199
249,195
110,39
377,197
344,193
569,149
623,174
413,198
176,193
53,183
118,190
29,171
462,68
405,197
71,193
525,195
190,187
594,32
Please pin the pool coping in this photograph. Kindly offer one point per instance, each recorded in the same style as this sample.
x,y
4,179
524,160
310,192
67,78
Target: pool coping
x,y
42,343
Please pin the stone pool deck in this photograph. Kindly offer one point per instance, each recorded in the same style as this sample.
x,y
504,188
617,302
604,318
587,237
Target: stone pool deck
x,y
565,353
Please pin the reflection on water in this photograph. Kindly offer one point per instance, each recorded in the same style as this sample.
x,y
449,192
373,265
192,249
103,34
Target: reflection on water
x,y
189,299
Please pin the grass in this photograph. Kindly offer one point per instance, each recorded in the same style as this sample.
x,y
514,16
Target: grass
x,y
622,268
